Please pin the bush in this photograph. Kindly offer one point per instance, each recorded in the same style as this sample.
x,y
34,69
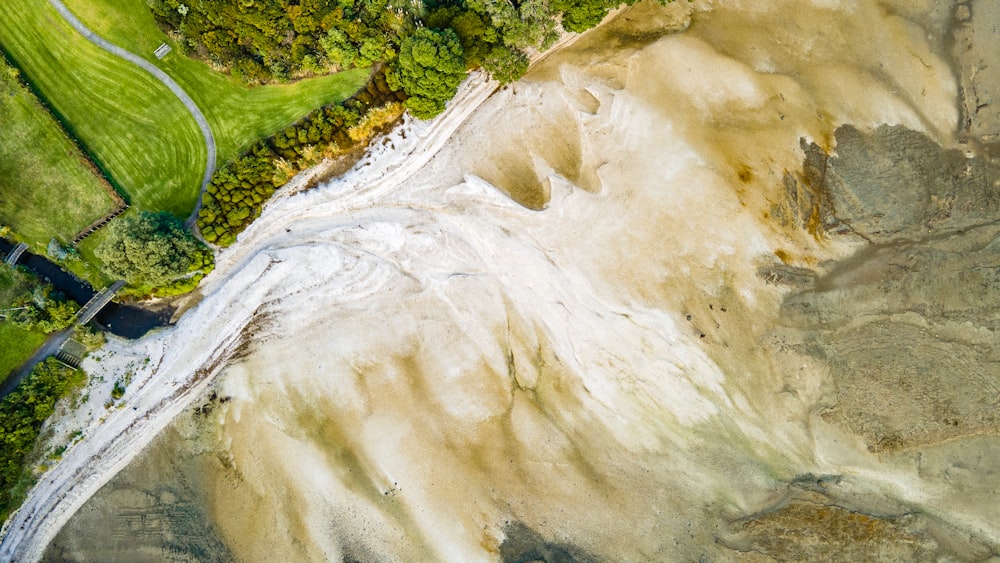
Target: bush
x,y
239,190
22,414
430,67
42,308
150,249
118,391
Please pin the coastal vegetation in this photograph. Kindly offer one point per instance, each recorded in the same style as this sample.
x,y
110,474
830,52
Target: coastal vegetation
x,y
429,69
43,309
22,414
29,308
153,250
240,189
279,40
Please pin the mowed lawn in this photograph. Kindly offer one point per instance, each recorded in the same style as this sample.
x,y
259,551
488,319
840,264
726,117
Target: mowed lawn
x,y
16,344
238,114
46,189
133,125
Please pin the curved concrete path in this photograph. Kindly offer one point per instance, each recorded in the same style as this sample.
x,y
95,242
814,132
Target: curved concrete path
x,y
149,67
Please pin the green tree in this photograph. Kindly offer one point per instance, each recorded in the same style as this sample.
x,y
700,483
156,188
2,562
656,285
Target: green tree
x,y
506,64
430,67
42,308
21,416
150,249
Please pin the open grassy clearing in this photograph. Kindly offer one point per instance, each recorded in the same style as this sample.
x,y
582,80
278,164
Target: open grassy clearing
x,y
16,344
133,125
238,114
87,266
41,171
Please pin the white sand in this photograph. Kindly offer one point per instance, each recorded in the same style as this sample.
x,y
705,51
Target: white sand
x,y
166,383
481,361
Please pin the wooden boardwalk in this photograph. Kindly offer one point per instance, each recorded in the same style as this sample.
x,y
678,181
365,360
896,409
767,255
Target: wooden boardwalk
x,y
71,353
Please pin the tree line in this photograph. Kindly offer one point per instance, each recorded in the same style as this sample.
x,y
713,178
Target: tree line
x,y
239,190
426,45
22,414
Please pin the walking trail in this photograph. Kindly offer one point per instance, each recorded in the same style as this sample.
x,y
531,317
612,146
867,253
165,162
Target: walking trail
x,y
174,87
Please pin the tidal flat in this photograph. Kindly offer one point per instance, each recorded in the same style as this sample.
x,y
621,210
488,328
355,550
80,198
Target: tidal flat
x,y
713,281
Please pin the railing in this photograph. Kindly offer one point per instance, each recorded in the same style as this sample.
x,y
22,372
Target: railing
x,y
97,302
16,253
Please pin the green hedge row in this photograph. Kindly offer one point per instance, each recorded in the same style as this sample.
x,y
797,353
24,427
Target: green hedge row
x,y
238,191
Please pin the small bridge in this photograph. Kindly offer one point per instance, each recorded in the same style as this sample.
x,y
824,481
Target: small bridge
x,y
15,254
97,302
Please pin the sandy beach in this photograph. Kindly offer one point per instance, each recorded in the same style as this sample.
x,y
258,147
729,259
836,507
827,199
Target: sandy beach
x,y
586,306
163,384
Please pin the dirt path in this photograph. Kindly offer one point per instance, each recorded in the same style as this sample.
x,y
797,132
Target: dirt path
x,y
174,87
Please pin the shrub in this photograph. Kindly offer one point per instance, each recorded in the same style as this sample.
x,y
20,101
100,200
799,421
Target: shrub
x,y
150,249
239,190
22,414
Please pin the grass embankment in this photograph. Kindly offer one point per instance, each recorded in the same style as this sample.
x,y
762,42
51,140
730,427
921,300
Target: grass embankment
x,y
132,125
237,114
41,171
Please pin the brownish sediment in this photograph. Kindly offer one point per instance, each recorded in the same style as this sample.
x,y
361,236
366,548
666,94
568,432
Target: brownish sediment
x,y
699,348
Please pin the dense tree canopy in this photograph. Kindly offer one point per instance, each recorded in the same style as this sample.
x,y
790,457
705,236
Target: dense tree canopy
x,y
21,416
150,249
275,40
431,65
239,189
43,308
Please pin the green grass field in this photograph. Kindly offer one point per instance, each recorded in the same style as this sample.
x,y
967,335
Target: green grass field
x,y
16,344
238,114
133,125
41,170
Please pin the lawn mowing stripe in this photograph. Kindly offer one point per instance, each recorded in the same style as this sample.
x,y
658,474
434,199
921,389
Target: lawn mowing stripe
x,y
239,114
199,118
136,128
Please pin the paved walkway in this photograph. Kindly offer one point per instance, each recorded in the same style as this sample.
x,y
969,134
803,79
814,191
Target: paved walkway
x,y
149,67
56,340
